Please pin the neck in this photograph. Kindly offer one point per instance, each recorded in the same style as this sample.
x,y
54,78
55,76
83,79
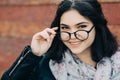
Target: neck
x,y
86,57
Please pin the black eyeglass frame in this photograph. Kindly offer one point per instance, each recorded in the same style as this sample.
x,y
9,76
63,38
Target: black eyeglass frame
x,y
76,34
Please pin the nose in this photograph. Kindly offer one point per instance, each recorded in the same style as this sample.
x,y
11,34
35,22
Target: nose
x,y
73,36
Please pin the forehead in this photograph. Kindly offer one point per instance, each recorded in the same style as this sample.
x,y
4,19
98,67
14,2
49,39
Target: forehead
x,y
72,17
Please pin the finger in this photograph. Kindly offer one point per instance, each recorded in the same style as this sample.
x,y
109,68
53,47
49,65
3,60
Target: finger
x,y
41,35
50,31
52,36
55,28
45,35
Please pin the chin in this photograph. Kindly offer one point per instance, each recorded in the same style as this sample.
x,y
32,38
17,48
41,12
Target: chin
x,y
76,51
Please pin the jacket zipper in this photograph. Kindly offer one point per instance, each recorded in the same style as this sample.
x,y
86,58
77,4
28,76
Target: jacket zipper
x,y
19,61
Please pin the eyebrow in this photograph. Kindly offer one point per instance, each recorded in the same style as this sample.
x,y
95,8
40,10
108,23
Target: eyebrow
x,y
74,25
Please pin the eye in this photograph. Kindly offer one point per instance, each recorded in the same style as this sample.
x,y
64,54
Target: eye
x,y
64,27
82,26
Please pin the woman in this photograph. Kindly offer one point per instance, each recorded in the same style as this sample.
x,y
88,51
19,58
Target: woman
x,y
78,46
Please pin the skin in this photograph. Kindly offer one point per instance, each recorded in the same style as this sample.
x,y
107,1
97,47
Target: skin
x,y
71,21
42,41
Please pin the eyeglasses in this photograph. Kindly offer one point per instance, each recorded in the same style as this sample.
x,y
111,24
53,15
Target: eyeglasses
x,y
79,34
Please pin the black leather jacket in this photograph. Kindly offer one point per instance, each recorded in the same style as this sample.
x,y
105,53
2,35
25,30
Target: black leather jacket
x,y
29,67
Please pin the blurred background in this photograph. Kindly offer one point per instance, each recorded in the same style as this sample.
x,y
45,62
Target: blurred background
x,y
20,19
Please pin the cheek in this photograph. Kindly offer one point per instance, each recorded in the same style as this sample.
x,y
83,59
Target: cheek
x,y
92,35
66,43
83,45
91,38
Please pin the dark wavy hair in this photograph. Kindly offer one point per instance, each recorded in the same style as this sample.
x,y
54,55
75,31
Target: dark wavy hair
x,y
104,45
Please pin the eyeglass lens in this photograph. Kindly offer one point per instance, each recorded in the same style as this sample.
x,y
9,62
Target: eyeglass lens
x,y
80,34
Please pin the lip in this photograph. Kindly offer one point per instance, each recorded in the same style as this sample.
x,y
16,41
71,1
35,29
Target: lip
x,y
75,43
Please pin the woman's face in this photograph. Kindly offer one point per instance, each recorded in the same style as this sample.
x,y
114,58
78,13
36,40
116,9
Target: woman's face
x,y
72,21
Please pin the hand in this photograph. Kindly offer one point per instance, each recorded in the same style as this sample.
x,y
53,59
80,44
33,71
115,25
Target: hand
x,y
42,41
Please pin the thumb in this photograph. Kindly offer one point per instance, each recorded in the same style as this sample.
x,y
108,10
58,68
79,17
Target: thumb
x,y
52,36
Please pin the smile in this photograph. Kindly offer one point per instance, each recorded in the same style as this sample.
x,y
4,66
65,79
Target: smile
x,y
75,43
